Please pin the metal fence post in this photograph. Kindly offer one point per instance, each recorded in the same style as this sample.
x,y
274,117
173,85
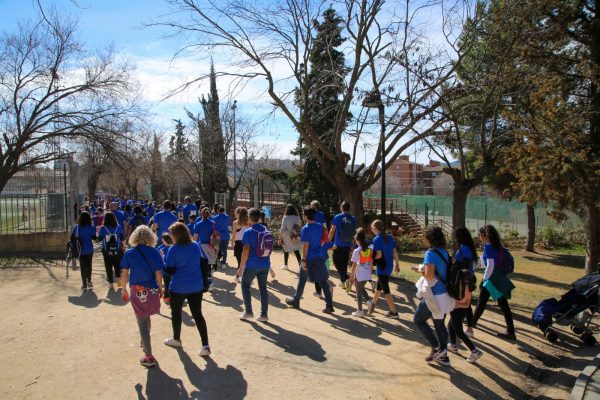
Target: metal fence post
x,y
66,207
426,215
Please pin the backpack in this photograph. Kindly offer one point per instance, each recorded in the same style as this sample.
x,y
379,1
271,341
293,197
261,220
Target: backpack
x,y
458,277
74,246
112,244
296,232
264,244
346,229
506,262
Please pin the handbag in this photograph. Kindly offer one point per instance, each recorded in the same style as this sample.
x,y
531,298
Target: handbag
x,y
145,301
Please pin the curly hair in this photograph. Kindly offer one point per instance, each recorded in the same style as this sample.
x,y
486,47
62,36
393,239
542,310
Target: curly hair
x,y
435,236
142,235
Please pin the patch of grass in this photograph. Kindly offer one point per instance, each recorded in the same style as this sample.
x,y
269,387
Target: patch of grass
x,y
537,276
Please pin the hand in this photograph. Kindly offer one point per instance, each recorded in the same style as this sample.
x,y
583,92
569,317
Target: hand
x,y
304,265
334,247
397,267
125,296
415,268
239,272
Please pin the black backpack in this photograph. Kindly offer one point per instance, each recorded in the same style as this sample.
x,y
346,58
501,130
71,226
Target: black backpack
x,y
347,229
112,245
458,277
74,246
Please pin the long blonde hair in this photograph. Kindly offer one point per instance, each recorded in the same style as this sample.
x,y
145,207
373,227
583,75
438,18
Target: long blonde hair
x,y
142,235
242,216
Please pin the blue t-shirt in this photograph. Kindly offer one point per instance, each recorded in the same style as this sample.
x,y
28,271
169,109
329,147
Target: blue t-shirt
x,y
190,227
86,235
187,210
489,252
325,250
320,217
164,220
121,217
204,229
143,221
150,211
142,272
250,238
311,233
113,230
187,277
441,268
464,253
387,250
222,224
338,221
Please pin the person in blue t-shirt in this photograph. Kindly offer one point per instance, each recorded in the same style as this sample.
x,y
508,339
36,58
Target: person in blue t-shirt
x,y
204,233
136,220
341,233
386,254
191,223
151,209
319,216
313,262
253,266
435,268
163,219
163,248
188,209
222,222
85,233
113,246
182,263
466,254
141,267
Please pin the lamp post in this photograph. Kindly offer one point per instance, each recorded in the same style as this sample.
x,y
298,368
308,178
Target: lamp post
x,y
373,100
234,107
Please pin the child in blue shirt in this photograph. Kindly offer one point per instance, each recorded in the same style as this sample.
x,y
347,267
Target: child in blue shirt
x,y
163,249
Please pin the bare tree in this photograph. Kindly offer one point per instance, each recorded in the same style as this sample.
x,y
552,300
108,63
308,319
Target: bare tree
x,y
393,68
52,89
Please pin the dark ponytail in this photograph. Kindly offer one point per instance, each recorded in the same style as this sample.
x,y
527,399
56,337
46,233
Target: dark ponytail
x,y
493,236
462,236
361,238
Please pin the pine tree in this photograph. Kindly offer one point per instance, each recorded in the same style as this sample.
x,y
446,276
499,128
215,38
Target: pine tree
x,y
157,184
326,85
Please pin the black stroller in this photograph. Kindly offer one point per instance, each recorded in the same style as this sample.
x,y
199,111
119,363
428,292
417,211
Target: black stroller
x,y
576,308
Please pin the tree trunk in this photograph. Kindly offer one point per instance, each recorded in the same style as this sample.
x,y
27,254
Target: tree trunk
x,y
530,228
459,204
230,198
92,185
592,256
354,196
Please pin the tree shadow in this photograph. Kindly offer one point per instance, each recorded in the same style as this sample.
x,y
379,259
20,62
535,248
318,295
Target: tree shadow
x,y
536,280
561,260
87,299
291,342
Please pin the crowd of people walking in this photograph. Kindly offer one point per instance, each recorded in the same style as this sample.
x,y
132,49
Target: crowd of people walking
x,y
171,251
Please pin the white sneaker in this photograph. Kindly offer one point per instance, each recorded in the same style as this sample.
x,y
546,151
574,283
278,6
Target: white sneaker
x,y
474,356
359,313
263,318
173,343
246,316
452,348
285,268
204,351
210,288
223,265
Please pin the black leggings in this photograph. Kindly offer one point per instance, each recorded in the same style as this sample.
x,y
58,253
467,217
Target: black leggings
x,y
195,303
85,265
484,296
455,327
286,256
112,263
340,257
238,248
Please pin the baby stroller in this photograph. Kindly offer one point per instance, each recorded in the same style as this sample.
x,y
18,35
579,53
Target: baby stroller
x,y
576,308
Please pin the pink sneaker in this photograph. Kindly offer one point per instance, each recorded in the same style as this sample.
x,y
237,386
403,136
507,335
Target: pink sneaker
x,y
148,361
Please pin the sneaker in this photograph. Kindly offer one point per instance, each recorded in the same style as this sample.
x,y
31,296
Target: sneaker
x,y
474,356
90,286
285,268
317,294
171,342
371,307
223,265
348,286
263,318
204,351
166,300
246,316
359,313
328,310
442,358
470,333
292,302
84,287
210,288
392,314
238,279
452,348
148,361
431,355
507,336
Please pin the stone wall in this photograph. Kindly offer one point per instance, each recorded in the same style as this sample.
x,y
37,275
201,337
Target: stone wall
x,y
48,243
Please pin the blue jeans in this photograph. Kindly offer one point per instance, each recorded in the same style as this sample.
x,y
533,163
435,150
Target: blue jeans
x,y
303,277
223,245
422,315
248,276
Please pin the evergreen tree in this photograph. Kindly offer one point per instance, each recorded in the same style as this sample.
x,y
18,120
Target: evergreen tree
x,y
157,184
326,86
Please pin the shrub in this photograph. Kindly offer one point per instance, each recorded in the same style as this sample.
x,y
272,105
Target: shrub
x,y
551,236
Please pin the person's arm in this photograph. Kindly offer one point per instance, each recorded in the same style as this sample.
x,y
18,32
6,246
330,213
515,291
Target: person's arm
x,y
396,260
124,292
332,232
466,300
159,280
378,255
195,238
244,260
489,269
429,271
353,272
304,254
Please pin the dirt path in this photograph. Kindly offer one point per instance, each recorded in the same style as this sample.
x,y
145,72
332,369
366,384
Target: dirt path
x,y
61,344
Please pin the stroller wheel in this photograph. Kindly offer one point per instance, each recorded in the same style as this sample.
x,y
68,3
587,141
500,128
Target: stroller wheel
x,y
588,339
551,335
578,330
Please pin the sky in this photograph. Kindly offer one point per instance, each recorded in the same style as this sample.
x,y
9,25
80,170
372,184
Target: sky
x,y
122,25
